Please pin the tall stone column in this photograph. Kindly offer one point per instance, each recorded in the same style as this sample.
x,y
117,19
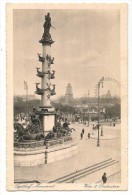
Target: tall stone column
x,y
45,99
47,113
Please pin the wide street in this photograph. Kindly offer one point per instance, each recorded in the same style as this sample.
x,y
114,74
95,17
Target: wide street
x,y
88,154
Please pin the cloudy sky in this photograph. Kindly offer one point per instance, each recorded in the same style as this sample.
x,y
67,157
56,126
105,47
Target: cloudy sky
x,y
86,47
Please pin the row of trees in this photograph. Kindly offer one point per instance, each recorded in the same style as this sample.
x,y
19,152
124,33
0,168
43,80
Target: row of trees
x,y
25,107
86,100
111,110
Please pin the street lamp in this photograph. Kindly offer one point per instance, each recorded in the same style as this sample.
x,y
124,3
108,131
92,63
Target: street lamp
x,y
88,107
98,85
98,88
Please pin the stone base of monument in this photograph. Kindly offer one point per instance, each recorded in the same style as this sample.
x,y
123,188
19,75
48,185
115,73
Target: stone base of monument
x,y
48,118
48,122
43,152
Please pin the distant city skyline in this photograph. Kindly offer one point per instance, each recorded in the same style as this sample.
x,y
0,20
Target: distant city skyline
x,y
87,47
35,96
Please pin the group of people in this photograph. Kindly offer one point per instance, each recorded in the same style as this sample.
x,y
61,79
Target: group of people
x,y
82,134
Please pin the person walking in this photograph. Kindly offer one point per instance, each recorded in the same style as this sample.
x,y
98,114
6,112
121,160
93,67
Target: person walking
x,y
81,135
104,178
88,135
82,131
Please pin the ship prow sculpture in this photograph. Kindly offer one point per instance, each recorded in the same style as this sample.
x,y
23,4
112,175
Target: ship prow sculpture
x,y
44,132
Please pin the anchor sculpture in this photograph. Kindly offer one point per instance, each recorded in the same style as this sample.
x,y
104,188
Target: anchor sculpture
x,y
51,75
40,74
50,60
41,59
51,91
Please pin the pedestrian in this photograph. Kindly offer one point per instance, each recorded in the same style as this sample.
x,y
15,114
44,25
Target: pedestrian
x,y
81,135
93,127
88,135
104,178
83,131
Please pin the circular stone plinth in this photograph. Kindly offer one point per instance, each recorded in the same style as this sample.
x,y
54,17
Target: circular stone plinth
x,y
36,154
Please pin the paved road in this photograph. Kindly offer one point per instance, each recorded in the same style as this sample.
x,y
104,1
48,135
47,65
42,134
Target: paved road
x,y
88,154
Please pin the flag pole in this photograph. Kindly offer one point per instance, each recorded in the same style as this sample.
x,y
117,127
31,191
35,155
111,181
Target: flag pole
x,y
88,107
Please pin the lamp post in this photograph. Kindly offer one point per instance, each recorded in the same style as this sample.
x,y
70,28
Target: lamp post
x,y
101,130
98,88
88,107
99,83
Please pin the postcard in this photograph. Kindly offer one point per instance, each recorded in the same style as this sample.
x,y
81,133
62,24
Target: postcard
x,y
67,97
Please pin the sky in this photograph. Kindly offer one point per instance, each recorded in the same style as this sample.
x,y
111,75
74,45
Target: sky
x,y
87,47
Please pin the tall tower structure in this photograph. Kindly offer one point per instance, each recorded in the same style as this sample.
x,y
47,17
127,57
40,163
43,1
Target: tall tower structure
x,y
68,94
54,146
108,94
47,89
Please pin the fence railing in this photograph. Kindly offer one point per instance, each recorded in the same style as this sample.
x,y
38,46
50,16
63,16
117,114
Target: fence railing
x,y
43,143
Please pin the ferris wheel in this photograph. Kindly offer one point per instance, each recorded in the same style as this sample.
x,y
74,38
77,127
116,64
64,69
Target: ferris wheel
x,y
101,84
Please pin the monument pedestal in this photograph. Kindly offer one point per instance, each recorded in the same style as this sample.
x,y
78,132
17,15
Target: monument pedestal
x,y
43,152
33,152
48,122
48,118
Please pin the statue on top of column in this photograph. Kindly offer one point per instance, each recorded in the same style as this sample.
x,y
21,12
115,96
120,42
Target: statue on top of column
x,y
47,26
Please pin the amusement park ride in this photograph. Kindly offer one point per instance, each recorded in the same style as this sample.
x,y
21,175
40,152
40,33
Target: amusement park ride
x,y
44,140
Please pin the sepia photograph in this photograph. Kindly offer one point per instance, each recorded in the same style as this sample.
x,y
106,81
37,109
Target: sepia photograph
x,y
67,97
